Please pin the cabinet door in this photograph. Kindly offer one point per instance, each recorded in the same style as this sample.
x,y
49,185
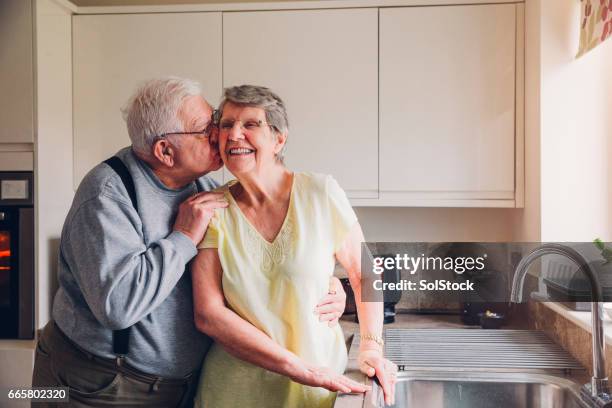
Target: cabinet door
x,y
323,64
113,54
447,101
16,72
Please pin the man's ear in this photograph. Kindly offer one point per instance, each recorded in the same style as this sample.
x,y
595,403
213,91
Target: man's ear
x,y
164,152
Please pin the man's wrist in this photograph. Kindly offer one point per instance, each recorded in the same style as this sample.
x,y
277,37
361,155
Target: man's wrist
x,y
184,244
187,234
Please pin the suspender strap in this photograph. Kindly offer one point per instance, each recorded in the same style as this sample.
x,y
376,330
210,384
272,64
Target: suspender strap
x,y
121,338
116,164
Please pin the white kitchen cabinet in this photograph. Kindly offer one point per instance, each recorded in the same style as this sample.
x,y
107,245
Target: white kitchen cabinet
x,y
447,104
324,65
112,54
405,106
16,72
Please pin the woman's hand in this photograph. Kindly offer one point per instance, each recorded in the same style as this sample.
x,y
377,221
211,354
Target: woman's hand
x,y
325,377
372,362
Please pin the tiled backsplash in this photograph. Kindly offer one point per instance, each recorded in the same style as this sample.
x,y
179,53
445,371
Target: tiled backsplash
x,y
573,338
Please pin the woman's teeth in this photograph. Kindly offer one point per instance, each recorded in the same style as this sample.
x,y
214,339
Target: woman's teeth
x,y
239,151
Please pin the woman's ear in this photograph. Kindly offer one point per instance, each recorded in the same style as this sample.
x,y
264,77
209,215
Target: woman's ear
x,y
164,152
281,139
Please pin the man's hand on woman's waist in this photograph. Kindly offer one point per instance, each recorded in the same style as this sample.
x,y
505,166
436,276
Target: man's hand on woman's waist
x,y
331,307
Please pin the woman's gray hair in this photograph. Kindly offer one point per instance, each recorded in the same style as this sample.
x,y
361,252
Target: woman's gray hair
x,y
263,98
153,110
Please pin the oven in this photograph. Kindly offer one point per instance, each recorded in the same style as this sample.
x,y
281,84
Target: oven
x,y
16,255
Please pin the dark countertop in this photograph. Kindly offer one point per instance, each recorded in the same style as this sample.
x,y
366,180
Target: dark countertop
x,y
516,319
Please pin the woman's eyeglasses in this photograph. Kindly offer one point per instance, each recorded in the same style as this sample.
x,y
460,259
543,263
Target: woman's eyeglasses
x,y
249,125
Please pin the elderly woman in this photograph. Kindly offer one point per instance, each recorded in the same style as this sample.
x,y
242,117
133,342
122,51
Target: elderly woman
x,y
265,261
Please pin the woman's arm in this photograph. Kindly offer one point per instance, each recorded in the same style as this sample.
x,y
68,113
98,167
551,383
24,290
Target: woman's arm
x,y
243,340
371,360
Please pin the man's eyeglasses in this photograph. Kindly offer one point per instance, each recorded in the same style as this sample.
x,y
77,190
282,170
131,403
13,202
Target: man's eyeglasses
x,y
202,134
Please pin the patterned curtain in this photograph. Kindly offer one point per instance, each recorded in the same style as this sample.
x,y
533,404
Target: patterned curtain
x,y
596,24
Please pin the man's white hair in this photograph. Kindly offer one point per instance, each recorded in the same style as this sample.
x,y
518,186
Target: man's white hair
x,y
153,110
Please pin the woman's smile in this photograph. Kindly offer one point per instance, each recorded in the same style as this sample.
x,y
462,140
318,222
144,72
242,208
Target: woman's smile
x,y
239,151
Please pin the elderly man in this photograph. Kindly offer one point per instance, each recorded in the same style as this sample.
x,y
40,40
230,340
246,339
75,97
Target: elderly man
x,y
123,331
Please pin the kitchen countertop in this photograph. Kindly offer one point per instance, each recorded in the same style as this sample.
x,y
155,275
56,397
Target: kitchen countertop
x,y
410,321
407,321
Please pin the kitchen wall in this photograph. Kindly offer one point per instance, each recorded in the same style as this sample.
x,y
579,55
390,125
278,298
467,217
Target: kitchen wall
x,y
568,129
436,224
568,196
576,129
54,143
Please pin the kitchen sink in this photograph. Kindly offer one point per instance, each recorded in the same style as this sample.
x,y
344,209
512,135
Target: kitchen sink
x,y
453,368
479,390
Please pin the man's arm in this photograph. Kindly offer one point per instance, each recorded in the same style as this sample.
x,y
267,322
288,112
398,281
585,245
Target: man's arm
x,y
331,307
121,279
245,341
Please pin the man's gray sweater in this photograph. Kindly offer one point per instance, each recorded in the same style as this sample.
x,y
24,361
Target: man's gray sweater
x,y
122,267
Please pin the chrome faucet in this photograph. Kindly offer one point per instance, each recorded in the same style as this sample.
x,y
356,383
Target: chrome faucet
x,y
597,391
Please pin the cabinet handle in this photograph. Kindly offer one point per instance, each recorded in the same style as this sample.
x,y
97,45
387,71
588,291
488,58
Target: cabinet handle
x,y
2,216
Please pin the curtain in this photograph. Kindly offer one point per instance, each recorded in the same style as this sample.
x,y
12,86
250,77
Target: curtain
x,y
596,24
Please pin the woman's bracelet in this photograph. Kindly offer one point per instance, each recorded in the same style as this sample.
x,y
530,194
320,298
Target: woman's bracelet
x,y
375,338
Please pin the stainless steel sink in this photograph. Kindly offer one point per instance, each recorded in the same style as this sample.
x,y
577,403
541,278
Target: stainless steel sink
x,y
482,390
446,368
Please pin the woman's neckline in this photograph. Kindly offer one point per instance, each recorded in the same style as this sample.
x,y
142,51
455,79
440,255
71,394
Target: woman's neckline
x,y
285,220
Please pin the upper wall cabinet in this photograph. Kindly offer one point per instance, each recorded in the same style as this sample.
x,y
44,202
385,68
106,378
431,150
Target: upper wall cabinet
x,y
324,65
115,53
447,104
405,106
16,74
